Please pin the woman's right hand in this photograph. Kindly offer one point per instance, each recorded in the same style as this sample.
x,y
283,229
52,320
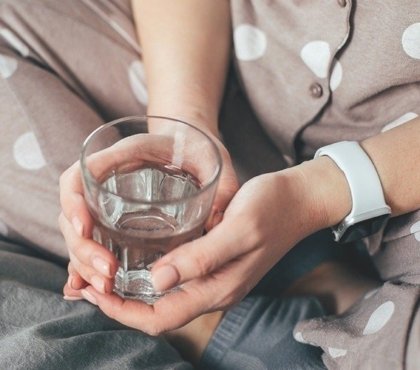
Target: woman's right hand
x,y
267,217
91,263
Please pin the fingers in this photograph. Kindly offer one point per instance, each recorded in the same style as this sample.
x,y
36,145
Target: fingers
x,y
73,202
168,313
92,262
217,291
74,284
87,251
75,281
202,256
227,188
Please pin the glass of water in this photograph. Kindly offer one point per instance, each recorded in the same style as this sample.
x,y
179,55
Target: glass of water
x,y
149,183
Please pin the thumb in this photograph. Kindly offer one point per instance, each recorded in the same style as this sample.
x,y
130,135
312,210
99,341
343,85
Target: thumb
x,y
227,188
200,256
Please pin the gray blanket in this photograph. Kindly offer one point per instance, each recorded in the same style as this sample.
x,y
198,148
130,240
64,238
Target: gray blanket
x,y
40,330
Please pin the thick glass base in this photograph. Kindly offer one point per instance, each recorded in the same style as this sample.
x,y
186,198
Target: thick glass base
x,y
137,284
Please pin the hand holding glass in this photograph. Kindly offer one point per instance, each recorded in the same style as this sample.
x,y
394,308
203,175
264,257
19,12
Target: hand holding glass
x,y
149,183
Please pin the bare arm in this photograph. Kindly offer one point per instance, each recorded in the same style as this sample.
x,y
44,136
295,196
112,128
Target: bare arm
x,y
186,50
266,218
395,154
185,46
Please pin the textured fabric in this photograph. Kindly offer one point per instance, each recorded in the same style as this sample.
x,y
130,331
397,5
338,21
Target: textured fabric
x,y
40,330
371,334
364,56
257,335
64,71
318,72
314,72
53,86
304,257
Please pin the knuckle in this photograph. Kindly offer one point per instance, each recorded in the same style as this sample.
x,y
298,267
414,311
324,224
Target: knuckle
x,y
78,249
203,264
78,268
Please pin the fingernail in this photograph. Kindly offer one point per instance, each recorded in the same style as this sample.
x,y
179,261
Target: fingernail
x,y
68,298
78,226
98,284
165,277
89,297
101,266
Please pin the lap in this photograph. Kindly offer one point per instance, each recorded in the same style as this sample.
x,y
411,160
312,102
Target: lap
x,y
381,330
257,334
40,330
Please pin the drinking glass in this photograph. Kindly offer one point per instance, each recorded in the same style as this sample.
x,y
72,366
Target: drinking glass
x,y
149,183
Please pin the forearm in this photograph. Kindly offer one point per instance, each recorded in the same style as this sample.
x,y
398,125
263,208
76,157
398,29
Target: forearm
x,y
185,48
395,155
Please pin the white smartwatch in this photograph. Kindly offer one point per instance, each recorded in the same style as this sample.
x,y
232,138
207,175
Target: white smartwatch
x,y
369,211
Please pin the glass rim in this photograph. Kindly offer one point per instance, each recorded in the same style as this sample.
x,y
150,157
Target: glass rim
x,y
91,179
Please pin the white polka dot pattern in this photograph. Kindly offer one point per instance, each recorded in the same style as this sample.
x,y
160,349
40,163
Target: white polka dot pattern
x,y
299,337
411,41
250,42
316,55
14,42
27,152
415,229
8,66
336,352
336,75
379,318
137,81
400,120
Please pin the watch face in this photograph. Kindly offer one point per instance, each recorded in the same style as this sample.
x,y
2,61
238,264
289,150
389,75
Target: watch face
x,y
364,228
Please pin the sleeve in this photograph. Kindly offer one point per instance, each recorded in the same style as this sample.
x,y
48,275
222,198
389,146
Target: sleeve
x,y
382,330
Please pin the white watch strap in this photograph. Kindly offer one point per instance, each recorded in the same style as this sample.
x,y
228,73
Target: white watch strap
x,y
365,186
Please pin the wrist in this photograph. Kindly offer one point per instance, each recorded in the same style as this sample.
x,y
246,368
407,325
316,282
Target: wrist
x,y
191,110
326,192
199,118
